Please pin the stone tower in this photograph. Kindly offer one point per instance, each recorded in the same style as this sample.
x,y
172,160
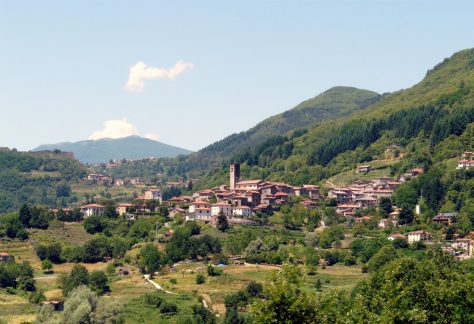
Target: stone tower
x,y
234,171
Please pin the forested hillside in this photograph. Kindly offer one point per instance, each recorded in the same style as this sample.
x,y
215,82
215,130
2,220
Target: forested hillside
x,y
432,123
334,103
37,179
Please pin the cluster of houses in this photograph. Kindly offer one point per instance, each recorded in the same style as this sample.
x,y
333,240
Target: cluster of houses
x,y
109,181
119,182
242,198
467,161
361,194
124,209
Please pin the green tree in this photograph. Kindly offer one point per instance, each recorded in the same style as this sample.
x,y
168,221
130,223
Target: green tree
x,y
24,215
108,312
150,258
384,256
98,282
222,222
385,205
79,276
46,266
95,224
97,248
285,300
80,305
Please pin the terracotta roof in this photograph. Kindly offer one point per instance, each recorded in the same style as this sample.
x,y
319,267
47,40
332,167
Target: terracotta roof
x,y
249,182
124,205
93,206
397,236
200,202
221,204
419,232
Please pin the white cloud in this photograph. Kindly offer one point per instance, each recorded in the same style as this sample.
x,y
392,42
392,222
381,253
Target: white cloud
x,y
140,72
116,128
154,137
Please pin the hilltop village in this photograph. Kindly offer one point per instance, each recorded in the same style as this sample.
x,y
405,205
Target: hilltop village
x,y
243,201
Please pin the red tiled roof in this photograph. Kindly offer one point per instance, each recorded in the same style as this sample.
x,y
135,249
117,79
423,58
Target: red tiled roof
x,y
93,206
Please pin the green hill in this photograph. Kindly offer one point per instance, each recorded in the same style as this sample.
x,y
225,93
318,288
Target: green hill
x,y
332,104
432,122
131,147
36,178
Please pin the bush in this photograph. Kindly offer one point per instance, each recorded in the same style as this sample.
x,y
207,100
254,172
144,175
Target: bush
x,y
168,308
96,249
213,271
200,279
26,284
98,282
51,252
350,260
36,298
95,224
254,288
153,299
79,276
46,266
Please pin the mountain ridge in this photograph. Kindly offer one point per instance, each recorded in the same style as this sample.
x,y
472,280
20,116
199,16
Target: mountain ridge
x,y
102,150
333,103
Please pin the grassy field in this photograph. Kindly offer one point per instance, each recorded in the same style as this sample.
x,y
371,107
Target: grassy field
x,y
71,233
236,277
16,309
381,169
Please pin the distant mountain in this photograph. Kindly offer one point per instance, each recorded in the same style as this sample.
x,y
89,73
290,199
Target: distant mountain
x,y
331,104
132,147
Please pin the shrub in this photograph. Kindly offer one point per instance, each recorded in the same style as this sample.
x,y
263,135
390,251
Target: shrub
x,y
153,299
168,308
200,279
213,271
254,288
49,251
36,298
46,265
98,282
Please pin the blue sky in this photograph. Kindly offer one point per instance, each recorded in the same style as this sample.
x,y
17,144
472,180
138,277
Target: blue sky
x,y
64,65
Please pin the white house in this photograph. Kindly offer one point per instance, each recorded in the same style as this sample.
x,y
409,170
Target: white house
x,y
199,205
202,214
154,194
393,237
242,211
93,210
418,236
223,207
250,184
465,164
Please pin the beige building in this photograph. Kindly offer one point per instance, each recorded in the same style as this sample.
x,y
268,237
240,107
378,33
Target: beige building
x,y
154,194
93,210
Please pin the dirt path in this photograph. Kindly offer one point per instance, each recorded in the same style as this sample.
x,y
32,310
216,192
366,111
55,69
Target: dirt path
x,y
157,286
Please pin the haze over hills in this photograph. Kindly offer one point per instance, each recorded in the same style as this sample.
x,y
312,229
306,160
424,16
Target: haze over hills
x,y
331,104
102,150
